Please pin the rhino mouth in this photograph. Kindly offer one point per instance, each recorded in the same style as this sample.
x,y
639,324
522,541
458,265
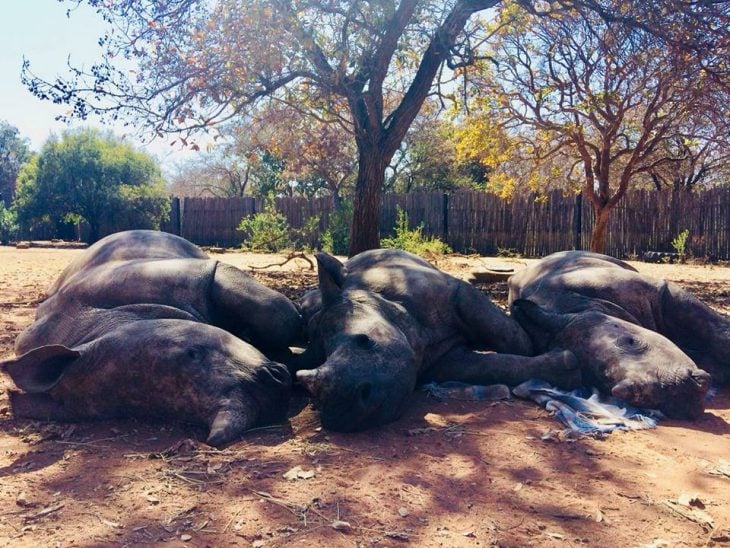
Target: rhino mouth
x,y
365,408
338,422
688,401
682,399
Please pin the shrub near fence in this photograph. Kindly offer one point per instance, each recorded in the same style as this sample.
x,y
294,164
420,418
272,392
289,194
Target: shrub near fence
x,y
483,223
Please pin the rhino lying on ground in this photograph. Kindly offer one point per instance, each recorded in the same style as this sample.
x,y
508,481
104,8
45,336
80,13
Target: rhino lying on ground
x,y
387,320
144,324
640,338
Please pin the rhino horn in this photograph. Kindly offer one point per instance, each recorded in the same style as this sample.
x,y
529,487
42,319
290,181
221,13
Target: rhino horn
x,y
40,369
309,379
623,390
228,424
331,273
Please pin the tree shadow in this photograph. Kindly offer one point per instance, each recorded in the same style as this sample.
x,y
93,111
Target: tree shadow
x,y
444,471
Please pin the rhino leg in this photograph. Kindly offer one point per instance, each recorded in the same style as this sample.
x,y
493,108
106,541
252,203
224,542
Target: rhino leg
x,y
698,330
558,367
487,326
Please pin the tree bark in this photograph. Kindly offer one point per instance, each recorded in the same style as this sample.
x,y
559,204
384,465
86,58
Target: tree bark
x,y
94,231
600,228
365,230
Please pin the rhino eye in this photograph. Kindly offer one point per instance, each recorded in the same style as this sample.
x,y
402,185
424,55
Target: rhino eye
x,y
630,342
194,353
363,341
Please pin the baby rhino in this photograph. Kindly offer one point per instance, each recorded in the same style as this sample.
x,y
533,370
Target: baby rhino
x,y
640,338
387,320
144,324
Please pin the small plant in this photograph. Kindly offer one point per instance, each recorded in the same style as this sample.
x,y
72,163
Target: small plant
x,y
8,224
305,238
508,252
680,244
413,240
267,230
336,239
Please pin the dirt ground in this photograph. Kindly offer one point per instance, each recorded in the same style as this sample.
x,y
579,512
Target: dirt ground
x,y
449,473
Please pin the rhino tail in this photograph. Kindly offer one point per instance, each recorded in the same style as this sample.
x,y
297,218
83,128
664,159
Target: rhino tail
x,y
40,369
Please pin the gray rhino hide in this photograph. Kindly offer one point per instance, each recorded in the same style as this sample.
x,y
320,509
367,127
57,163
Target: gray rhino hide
x,y
640,338
387,319
145,324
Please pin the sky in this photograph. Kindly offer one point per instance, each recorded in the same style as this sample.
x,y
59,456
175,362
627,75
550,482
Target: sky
x,y
40,31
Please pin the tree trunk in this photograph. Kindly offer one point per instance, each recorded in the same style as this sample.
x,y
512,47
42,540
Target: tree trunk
x,y
365,233
336,200
600,228
94,231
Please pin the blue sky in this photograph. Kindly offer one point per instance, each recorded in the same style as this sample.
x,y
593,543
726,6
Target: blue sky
x,y
40,31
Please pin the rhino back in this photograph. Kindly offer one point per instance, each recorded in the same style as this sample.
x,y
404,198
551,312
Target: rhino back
x,y
576,281
400,277
99,298
130,244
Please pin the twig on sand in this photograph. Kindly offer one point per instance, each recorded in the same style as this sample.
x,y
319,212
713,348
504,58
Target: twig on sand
x,y
45,512
299,511
20,304
291,256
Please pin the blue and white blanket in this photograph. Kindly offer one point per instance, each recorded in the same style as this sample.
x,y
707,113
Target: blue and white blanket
x,y
582,410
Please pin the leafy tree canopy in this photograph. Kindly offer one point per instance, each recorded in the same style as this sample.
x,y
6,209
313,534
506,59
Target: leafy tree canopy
x,y
580,86
92,176
186,65
14,152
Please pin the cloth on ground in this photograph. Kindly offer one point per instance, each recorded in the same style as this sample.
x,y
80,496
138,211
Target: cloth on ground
x,y
583,411
454,390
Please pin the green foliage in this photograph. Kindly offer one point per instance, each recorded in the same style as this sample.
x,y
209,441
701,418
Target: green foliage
x,y
413,240
680,244
8,224
336,238
267,230
306,237
508,252
14,153
92,176
431,160
267,174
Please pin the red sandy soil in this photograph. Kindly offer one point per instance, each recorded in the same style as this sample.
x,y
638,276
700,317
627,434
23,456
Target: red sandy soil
x,y
452,473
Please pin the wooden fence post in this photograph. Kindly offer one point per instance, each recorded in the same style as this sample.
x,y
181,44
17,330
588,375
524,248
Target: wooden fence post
x,y
175,216
578,220
445,213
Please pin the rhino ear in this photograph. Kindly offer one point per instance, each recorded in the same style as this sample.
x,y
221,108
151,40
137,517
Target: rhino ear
x,y
274,374
531,316
331,274
40,369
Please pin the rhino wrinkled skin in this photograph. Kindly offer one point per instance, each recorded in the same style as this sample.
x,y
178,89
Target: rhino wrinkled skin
x,y
144,324
387,320
646,341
